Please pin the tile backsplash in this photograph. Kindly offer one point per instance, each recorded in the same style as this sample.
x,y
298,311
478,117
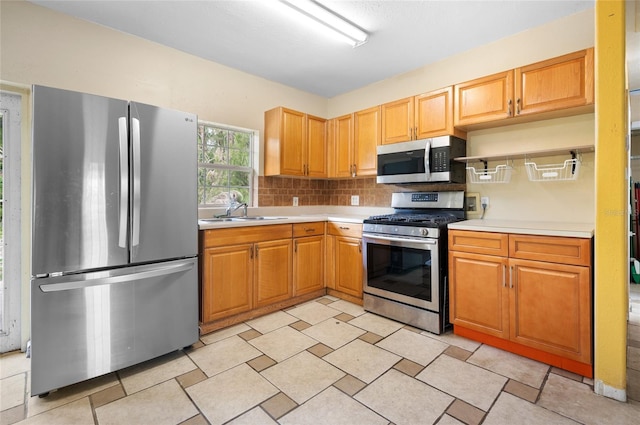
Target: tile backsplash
x,y
279,191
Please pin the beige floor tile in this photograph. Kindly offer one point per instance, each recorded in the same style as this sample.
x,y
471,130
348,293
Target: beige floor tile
x,y
458,353
224,333
302,376
465,381
449,420
633,358
521,390
261,363
408,367
152,372
511,365
333,333
278,405
13,391
465,412
452,339
313,312
107,395
364,361
347,307
196,420
230,393
413,346
404,400
77,412
70,393
320,350
510,409
272,321
349,385
371,338
223,355
191,378
344,411
376,324
300,325
255,416
344,317
283,343
13,363
249,335
578,401
165,403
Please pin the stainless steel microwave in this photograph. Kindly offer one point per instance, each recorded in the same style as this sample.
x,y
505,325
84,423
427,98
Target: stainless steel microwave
x,y
423,161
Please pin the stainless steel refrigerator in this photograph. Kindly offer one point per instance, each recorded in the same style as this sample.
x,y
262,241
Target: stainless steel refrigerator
x,y
114,235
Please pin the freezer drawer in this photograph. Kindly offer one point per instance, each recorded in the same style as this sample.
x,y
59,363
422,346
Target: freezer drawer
x,y
91,324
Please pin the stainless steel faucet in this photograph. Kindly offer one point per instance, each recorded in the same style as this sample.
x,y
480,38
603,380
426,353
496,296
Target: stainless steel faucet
x,y
234,207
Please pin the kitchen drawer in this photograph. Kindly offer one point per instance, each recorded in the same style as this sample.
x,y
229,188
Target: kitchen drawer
x,y
308,229
553,249
344,229
479,242
246,234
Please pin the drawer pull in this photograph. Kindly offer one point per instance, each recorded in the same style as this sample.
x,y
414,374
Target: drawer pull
x,y
344,228
309,229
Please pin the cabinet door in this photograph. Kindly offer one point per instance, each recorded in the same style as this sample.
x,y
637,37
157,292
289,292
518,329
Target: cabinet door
x,y
342,152
551,308
366,140
308,264
434,114
226,281
397,121
478,293
484,99
284,141
272,272
348,265
316,147
558,83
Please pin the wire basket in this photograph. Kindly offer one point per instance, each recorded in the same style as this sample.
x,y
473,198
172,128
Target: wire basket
x,y
553,172
499,174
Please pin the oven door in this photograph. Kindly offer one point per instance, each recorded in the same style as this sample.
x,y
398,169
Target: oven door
x,y
402,269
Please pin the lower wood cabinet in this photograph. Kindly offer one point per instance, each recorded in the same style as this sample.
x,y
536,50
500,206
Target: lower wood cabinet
x,y
344,260
513,300
308,257
272,268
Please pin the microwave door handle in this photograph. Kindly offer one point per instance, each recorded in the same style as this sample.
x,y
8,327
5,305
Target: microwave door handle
x,y
427,154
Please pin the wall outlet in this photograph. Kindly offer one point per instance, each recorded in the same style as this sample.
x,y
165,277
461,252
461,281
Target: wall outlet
x,y
484,200
355,200
295,201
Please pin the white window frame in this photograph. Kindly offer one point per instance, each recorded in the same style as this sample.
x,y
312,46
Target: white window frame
x,y
251,168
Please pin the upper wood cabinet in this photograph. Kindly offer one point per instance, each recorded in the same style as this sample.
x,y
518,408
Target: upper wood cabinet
x,y
553,85
419,117
353,142
341,146
295,143
366,139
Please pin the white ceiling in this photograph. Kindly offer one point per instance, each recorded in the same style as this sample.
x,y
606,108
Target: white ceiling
x,y
258,38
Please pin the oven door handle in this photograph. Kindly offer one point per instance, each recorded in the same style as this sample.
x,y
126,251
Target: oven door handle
x,y
373,238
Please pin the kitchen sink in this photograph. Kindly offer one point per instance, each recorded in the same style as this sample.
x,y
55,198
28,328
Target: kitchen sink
x,y
247,218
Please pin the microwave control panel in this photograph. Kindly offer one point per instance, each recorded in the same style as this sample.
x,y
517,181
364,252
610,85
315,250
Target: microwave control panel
x,y
440,159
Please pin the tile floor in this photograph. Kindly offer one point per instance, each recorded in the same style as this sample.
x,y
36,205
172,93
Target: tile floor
x,y
323,362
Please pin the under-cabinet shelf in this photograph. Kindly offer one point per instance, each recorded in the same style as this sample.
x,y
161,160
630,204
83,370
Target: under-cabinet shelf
x,y
529,154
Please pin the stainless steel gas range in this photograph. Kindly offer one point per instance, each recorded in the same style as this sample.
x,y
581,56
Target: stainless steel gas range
x,y
405,258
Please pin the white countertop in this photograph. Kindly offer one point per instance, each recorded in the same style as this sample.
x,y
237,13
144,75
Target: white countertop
x,y
541,228
348,218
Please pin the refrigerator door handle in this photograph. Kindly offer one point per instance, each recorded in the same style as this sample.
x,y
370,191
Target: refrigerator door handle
x,y
124,181
145,272
135,132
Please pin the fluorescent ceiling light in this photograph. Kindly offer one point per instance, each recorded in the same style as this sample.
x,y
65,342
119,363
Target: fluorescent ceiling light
x,y
348,32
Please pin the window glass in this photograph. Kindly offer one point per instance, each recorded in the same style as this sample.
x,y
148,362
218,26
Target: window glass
x,y
225,173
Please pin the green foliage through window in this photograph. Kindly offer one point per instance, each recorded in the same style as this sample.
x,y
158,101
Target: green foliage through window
x,y
225,168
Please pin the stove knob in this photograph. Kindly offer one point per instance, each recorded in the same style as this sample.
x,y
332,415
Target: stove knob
x,y
424,232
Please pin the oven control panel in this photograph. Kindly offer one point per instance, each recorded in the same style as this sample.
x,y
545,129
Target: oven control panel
x,y
424,197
